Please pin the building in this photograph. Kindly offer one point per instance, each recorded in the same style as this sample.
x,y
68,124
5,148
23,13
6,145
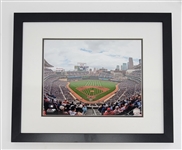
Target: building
x,y
130,63
121,67
117,68
124,66
103,69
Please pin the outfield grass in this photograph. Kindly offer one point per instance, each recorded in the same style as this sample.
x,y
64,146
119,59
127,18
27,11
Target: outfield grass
x,y
92,91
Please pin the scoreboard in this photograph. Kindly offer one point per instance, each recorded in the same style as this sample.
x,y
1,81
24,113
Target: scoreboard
x,y
81,68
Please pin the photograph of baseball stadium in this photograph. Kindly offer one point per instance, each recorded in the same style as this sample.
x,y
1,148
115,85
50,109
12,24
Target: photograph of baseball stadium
x,y
92,77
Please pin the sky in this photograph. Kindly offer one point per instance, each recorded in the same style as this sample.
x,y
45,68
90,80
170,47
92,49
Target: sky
x,y
95,53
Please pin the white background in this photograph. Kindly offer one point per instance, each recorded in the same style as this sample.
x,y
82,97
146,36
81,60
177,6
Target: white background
x,y
7,48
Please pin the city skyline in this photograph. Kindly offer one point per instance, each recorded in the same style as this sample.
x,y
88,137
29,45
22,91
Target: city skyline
x,y
95,53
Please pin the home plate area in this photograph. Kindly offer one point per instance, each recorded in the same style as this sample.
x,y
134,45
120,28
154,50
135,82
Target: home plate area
x,y
92,91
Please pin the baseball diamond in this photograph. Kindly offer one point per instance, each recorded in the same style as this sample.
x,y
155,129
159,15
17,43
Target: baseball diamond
x,y
92,91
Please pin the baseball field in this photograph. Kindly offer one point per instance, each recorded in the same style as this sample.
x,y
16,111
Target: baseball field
x,y
92,90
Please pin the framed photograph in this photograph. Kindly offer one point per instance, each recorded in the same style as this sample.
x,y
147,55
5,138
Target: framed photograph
x,y
105,81
92,77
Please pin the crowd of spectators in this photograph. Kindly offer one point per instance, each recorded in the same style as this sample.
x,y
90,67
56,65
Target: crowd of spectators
x,y
125,100
48,72
123,107
136,73
77,73
48,84
131,106
126,89
55,107
67,94
55,89
56,92
138,88
105,75
135,76
118,95
132,88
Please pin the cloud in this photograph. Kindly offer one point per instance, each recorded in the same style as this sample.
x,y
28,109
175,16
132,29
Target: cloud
x,y
85,50
116,56
95,53
102,51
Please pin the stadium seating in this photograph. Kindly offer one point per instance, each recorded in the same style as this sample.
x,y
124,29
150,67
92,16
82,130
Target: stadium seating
x,y
124,101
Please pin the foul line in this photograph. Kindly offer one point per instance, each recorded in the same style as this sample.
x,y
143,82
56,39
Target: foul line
x,y
62,92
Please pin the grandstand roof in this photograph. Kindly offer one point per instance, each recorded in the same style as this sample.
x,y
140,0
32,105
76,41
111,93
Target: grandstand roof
x,y
46,64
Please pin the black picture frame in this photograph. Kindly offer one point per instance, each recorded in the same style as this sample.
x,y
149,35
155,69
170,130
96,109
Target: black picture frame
x,y
164,18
